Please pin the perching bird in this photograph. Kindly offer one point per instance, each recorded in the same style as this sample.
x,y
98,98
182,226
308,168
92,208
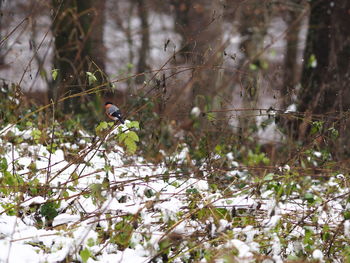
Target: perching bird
x,y
113,112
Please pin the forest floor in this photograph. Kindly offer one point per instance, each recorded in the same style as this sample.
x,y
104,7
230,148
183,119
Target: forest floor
x,y
91,201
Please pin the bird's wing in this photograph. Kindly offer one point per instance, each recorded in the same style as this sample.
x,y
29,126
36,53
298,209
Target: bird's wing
x,y
112,109
115,112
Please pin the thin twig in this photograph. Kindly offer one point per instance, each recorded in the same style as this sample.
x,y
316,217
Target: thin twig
x,y
51,144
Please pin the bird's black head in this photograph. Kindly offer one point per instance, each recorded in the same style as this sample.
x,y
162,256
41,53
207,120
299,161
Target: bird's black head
x,y
108,102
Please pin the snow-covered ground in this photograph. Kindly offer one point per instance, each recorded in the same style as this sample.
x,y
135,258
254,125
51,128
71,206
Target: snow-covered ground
x,y
112,207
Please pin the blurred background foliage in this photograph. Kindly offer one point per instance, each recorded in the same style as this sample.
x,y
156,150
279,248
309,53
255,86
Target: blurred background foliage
x,y
265,80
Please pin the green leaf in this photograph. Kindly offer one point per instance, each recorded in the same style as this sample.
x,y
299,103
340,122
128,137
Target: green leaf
x,y
122,233
54,74
96,192
3,164
133,124
65,194
253,67
90,242
129,139
218,149
85,254
49,210
334,133
149,193
211,116
122,137
316,126
130,145
268,177
312,63
75,178
133,136
192,191
346,215
91,78
309,197
52,147
101,126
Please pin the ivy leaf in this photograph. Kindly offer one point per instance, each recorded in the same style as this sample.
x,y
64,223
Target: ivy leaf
x,y
85,254
122,137
133,136
129,139
130,145
49,210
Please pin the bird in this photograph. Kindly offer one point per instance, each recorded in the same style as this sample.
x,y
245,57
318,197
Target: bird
x,y
113,112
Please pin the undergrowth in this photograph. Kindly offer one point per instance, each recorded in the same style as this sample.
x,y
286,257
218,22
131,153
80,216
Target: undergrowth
x,y
170,199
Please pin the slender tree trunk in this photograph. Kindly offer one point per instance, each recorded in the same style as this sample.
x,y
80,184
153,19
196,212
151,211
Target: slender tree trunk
x,y
2,57
200,24
124,23
255,16
98,50
145,46
326,74
291,67
182,22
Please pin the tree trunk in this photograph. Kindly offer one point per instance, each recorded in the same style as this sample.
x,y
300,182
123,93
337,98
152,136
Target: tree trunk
x,y
255,16
144,49
78,32
98,50
200,24
2,57
326,71
290,74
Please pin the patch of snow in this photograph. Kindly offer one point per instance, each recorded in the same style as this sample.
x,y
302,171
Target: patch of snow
x,y
291,108
65,219
318,154
243,249
35,200
276,249
272,222
15,253
347,228
318,255
195,112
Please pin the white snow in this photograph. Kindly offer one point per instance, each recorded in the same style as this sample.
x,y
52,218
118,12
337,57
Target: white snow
x,y
317,254
64,219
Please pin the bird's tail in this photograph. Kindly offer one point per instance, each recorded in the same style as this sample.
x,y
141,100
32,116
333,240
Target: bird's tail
x,y
121,120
